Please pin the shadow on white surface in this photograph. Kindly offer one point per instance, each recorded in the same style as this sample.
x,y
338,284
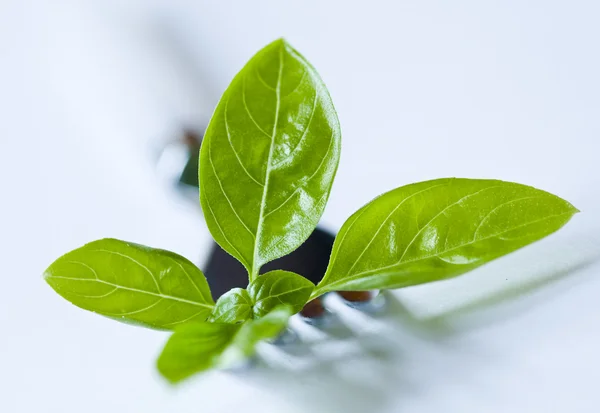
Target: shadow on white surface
x,y
358,362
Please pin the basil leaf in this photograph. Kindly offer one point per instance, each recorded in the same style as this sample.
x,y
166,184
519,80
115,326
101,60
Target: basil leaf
x,y
132,283
269,157
438,229
197,347
194,348
279,287
252,332
263,295
232,307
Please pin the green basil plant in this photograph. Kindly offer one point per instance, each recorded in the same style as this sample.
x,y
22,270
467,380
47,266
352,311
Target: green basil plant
x,y
267,164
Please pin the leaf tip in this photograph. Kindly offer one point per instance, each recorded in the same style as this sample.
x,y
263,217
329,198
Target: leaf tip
x,y
48,273
166,374
573,209
281,43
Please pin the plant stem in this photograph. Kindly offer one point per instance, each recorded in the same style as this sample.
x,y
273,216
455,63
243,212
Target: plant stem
x,y
316,293
253,274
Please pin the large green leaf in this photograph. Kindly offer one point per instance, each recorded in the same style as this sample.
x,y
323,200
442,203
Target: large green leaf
x,y
132,283
200,346
279,287
264,294
438,229
269,157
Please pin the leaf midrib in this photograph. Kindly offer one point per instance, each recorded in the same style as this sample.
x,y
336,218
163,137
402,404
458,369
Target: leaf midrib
x,y
255,267
160,295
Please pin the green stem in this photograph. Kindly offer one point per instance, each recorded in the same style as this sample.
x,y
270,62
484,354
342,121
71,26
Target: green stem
x,y
252,275
316,293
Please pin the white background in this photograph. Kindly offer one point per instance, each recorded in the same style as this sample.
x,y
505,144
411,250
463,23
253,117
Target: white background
x,y
424,89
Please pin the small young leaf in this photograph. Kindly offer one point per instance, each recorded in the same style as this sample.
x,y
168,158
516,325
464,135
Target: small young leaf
x,y
233,307
197,347
263,295
252,332
132,283
438,229
269,157
279,287
194,348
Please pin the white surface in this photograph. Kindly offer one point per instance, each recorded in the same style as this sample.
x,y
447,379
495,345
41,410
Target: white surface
x,y
424,89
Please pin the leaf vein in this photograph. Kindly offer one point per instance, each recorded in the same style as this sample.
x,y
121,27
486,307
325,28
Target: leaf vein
x,y
248,109
136,262
182,321
494,210
241,257
189,277
128,313
306,181
298,85
263,80
237,156
385,220
440,213
304,133
225,194
278,295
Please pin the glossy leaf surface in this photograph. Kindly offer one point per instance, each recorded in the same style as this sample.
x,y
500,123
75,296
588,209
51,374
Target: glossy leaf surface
x,y
200,346
269,157
438,229
132,283
232,307
279,287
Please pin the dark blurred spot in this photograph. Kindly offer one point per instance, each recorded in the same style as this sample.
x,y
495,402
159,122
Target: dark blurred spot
x,y
310,260
356,296
313,309
192,140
